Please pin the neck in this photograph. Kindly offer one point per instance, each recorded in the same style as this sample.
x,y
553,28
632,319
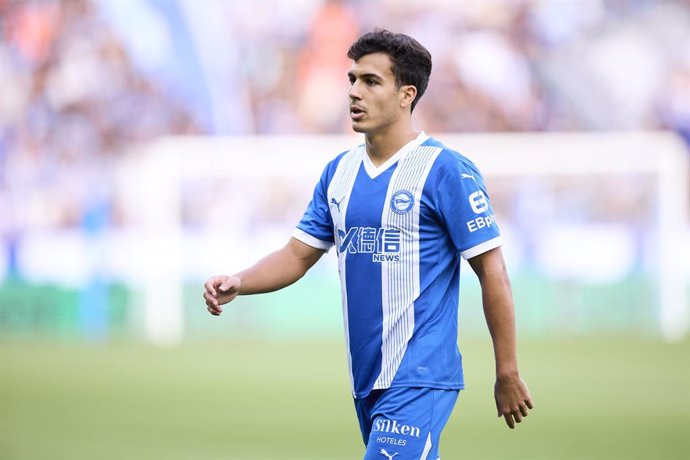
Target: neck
x,y
382,146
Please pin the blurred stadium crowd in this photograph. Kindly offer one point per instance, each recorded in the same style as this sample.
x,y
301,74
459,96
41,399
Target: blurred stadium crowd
x,y
84,80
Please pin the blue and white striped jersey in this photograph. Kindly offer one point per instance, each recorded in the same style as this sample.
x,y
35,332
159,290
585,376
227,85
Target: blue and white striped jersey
x,y
399,230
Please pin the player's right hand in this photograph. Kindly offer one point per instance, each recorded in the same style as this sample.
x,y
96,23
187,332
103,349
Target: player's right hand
x,y
219,290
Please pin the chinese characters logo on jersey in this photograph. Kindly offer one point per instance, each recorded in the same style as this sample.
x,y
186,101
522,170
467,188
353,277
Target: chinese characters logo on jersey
x,y
382,243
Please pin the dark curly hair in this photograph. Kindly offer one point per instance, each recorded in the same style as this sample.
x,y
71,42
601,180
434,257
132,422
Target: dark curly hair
x,y
411,61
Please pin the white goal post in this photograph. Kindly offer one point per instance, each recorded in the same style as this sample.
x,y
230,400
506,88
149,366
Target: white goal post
x,y
154,178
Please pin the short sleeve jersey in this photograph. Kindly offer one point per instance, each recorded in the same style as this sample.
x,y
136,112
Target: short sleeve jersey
x,y
400,231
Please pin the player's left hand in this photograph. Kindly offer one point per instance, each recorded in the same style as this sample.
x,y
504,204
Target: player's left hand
x,y
513,400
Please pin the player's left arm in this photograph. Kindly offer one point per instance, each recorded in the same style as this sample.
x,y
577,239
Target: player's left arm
x,y
513,400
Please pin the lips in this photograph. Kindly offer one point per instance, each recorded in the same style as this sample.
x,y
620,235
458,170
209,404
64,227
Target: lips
x,y
356,112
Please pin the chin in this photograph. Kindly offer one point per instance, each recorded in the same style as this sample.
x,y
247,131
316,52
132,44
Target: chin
x,y
358,128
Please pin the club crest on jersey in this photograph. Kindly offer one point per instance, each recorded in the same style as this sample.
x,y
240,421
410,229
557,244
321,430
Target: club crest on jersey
x,y
402,202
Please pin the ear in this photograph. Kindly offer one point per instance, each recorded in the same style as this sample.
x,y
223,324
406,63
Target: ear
x,y
407,95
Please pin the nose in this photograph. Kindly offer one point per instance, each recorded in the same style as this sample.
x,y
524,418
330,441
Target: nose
x,y
354,91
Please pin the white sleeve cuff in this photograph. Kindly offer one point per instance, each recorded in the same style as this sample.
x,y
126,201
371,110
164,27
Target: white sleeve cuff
x,y
307,239
481,248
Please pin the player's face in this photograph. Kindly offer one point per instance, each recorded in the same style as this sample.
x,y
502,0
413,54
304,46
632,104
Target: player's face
x,y
374,96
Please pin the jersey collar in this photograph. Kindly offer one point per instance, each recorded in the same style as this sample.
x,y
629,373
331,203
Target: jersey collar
x,y
374,171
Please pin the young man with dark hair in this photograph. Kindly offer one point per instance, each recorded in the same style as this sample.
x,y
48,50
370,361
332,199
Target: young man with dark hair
x,y
401,210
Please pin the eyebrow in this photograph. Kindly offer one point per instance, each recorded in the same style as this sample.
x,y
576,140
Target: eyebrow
x,y
352,75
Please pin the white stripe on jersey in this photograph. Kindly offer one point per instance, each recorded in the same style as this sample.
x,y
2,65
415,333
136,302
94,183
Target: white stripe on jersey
x,y
481,248
340,189
306,238
400,281
427,448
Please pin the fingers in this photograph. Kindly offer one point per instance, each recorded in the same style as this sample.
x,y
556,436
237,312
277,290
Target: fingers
x,y
220,290
210,297
212,304
515,415
509,421
211,301
513,400
208,285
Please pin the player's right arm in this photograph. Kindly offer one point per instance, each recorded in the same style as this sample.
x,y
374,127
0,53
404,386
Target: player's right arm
x,y
275,271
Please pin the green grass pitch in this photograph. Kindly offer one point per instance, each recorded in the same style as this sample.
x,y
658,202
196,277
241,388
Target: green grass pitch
x,y
596,398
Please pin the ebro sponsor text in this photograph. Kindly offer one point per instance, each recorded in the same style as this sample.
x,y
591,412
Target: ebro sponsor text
x,y
481,222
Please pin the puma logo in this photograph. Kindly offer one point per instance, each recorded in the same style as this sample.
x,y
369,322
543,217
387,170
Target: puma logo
x,y
390,457
337,203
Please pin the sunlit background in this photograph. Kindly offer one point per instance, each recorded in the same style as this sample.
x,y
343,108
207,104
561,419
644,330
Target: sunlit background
x,y
148,144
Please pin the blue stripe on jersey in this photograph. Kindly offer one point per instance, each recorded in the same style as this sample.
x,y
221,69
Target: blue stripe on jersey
x,y
399,237
363,280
